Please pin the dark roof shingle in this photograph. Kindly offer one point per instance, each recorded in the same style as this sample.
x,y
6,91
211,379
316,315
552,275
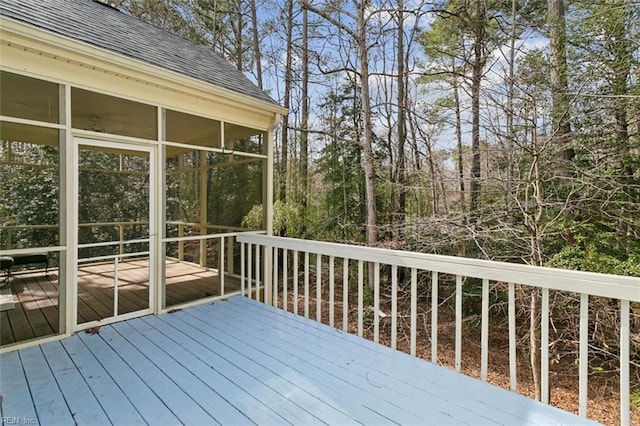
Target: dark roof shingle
x,y
92,22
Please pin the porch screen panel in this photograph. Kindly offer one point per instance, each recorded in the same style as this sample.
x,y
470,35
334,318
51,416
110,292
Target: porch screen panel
x,y
102,113
235,193
192,130
29,98
113,232
30,208
210,197
29,186
244,139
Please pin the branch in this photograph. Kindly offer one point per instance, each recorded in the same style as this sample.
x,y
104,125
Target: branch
x,y
331,19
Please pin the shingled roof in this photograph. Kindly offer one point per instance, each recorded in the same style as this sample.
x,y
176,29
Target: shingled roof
x,y
95,23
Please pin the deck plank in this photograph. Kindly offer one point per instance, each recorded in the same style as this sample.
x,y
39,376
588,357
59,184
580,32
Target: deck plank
x,y
112,399
178,401
29,299
242,399
19,322
280,377
152,409
82,403
193,380
373,395
49,402
339,393
47,304
494,400
18,402
207,351
6,334
369,375
243,362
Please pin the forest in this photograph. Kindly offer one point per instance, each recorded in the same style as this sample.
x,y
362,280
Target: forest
x,y
496,129
505,130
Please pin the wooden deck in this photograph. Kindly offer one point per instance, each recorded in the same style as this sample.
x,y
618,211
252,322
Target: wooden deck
x,y
35,295
242,362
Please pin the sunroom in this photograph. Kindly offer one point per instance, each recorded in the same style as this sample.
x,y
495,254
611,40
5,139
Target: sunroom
x,y
129,158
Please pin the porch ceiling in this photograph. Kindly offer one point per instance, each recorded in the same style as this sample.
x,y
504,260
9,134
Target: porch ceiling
x,y
240,362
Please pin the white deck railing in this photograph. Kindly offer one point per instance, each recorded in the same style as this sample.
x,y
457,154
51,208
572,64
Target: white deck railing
x,y
260,253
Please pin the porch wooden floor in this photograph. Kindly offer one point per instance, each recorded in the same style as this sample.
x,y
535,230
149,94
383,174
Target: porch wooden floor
x,y
35,295
242,362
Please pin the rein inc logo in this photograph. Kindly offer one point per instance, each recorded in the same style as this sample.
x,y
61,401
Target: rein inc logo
x,y
17,420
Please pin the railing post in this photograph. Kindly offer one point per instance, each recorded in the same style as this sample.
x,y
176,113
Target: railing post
x,y
332,284
484,350
242,269
376,302
434,317
319,287
180,243
414,310
230,249
345,294
306,284
121,234
268,283
584,355
285,280
221,266
275,277
513,379
458,345
394,306
625,409
249,270
203,248
115,286
265,276
544,347
295,281
360,297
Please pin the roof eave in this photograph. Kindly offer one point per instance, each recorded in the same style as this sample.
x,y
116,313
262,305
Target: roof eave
x,y
172,78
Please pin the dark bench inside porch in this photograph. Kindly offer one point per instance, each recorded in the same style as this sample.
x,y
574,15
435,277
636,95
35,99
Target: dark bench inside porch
x,y
6,262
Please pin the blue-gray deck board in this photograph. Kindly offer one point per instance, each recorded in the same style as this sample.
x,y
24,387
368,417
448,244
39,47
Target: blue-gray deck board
x,y
242,362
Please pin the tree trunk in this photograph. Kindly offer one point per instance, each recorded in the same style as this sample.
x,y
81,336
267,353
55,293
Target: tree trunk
x,y
239,29
402,127
287,102
560,113
511,136
456,98
367,143
359,36
476,80
256,43
304,141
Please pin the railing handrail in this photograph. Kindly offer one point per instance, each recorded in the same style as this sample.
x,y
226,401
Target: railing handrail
x,y
208,225
596,284
115,243
113,256
206,237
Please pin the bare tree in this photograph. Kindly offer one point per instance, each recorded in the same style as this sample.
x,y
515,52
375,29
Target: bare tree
x,y
288,82
359,35
257,54
559,80
304,135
